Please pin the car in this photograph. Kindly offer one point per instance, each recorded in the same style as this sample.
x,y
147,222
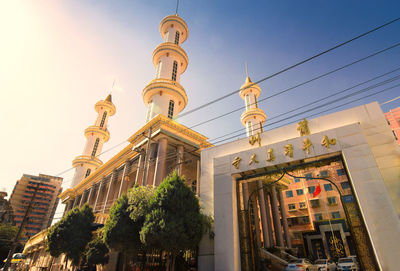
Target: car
x,y
348,264
325,265
300,265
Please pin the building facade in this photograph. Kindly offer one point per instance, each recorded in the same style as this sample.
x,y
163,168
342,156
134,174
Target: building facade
x,y
393,118
44,203
238,180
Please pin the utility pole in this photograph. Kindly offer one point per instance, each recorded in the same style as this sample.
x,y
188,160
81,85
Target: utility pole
x,y
14,245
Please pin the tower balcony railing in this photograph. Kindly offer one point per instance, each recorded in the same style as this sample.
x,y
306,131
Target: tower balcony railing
x,y
172,49
102,131
253,112
84,159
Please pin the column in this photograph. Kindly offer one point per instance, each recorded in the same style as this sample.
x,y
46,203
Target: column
x,y
109,189
269,218
263,213
75,202
344,240
123,177
284,219
161,161
90,195
98,194
246,196
276,217
179,159
256,224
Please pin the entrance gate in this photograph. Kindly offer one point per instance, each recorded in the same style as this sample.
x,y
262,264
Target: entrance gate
x,y
259,195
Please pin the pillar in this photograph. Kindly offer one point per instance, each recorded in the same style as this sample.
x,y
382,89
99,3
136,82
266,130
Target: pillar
x,y
161,161
140,169
269,218
123,177
284,220
90,195
276,217
98,195
179,159
110,186
263,213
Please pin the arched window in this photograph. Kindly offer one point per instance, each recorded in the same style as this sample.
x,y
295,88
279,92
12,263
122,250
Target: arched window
x,y
177,37
174,70
247,101
171,109
158,71
96,144
103,119
87,172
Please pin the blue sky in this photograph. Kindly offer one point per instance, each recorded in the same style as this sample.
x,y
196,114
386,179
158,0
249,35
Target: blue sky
x,y
60,58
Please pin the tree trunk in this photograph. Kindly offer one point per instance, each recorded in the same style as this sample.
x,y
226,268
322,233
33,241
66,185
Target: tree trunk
x,y
143,261
173,260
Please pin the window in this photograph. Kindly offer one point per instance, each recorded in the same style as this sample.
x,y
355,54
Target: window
x,y
328,187
289,194
308,176
305,220
87,172
292,207
171,109
302,205
323,173
174,70
332,201
340,172
103,119
345,185
96,144
247,101
300,192
335,215
314,203
318,217
296,180
158,70
311,189
177,37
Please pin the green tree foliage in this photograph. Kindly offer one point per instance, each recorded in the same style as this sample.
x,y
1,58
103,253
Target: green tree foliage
x,y
97,252
71,234
174,222
7,235
127,215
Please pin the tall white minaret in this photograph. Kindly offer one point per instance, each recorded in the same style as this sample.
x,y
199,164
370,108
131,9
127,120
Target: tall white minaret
x,y
253,117
96,135
164,95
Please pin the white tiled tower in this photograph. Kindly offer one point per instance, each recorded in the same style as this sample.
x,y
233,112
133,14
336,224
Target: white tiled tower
x,y
96,135
164,95
253,117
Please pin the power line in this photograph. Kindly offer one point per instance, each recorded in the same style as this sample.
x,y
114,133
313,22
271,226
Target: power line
x,y
301,84
392,100
314,114
332,95
290,67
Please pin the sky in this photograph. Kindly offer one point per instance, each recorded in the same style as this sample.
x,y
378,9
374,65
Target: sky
x,y
58,58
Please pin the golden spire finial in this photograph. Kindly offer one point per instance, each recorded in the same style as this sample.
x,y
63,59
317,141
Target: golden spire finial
x,y
248,80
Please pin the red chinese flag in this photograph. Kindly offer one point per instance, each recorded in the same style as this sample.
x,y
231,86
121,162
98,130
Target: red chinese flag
x,y
317,190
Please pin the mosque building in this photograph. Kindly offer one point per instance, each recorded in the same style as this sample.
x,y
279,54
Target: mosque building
x,y
247,185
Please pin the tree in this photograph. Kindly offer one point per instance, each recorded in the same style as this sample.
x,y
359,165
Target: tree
x,y
174,222
7,235
71,234
127,215
97,252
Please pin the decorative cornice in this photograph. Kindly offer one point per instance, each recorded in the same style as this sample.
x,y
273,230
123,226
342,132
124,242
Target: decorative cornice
x,y
253,112
105,104
174,19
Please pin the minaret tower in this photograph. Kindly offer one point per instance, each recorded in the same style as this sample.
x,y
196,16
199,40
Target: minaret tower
x,y
96,135
253,117
164,95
